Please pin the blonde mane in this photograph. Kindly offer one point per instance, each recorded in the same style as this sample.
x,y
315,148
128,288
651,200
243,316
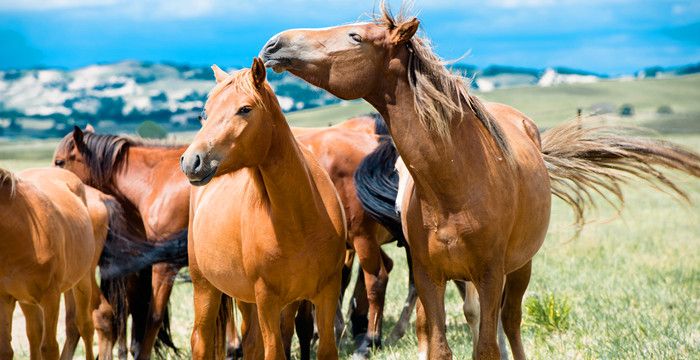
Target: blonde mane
x,y
7,178
238,81
438,93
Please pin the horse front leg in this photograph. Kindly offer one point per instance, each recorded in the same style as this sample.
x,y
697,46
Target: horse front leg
x,y
7,307
410,303
326,302
269,312
430,319
489,285
376,278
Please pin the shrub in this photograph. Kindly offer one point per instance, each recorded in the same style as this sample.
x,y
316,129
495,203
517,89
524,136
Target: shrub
x,y
150,129
547,312
664,109
626,110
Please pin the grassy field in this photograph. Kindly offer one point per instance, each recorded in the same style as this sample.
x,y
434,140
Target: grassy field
x,y
631,284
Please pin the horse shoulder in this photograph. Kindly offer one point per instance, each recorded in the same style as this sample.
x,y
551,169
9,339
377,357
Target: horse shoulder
x,y
328,193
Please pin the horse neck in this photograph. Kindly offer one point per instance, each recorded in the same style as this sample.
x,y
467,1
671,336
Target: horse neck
x,y
442,170
286,179
134,181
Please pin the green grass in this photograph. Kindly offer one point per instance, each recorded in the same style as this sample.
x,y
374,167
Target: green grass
x,y
631,285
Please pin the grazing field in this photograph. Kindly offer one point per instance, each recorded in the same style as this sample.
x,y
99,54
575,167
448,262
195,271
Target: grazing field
x,y
627,288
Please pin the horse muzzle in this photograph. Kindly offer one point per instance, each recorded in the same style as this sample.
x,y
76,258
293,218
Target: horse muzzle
x,y
198,170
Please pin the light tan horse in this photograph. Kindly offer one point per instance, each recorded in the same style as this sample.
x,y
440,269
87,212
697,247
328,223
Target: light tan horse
x,y
268,227
479,204
46,248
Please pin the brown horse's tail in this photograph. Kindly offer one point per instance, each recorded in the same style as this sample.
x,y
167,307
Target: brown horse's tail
x,y
588,157
225,312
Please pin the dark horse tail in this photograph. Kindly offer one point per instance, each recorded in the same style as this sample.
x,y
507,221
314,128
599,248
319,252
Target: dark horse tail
x,y
587,158
377,182
125,253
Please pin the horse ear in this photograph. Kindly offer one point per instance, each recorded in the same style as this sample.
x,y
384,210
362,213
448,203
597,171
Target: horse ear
x,y
219,74
89,129
257,70
78,137
404,31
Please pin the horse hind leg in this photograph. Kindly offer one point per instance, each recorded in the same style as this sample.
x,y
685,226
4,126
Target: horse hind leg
x,y
511,313
326,303
35,323
7,307
84,306
402,324
304,322
72,332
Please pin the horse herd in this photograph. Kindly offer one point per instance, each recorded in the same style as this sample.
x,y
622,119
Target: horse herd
x,y
277,214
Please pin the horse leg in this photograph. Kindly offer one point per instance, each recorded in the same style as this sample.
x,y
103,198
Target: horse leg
x,y
359,309
432,299
72,332
305,328
269,314
410,303
376,279
7,307
326,303
162,282
207,300
82,293
511,313
287,326
253,347
34,319
50,305
489,286
103,318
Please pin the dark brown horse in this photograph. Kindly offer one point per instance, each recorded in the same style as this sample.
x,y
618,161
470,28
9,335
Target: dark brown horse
x,y
478,206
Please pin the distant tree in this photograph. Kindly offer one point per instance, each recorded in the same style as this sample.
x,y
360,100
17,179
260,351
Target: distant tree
x,y
151,130
664,110
626,110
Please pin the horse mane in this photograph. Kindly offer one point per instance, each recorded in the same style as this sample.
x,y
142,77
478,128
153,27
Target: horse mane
x,y
240,81
439,93
7,178
104,153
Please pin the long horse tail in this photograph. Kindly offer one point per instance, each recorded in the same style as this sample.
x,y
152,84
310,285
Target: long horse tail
x,y
126,255
587,158
225,312
377,182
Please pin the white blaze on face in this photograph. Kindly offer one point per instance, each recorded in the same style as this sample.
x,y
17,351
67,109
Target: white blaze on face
x,y
404,177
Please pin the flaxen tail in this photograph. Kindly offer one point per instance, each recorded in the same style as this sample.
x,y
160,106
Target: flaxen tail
x,y
585,158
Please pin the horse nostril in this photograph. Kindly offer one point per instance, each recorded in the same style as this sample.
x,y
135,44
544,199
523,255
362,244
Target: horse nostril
x,y
197,163
271,45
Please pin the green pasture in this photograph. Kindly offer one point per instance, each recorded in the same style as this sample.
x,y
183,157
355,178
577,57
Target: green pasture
x,y
630,282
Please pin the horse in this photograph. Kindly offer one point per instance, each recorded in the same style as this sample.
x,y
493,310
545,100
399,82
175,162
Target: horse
x,y
277,234
47,247
145,179
478,205
339,148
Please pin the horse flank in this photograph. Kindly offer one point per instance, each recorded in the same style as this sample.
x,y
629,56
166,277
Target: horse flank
x,y
589,157
439,94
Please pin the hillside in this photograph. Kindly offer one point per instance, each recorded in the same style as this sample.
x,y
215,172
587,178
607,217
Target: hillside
x,y
118,97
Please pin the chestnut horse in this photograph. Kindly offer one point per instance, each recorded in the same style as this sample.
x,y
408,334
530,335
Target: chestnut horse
x,y
478,205
269,227
339,148
146,181
47,248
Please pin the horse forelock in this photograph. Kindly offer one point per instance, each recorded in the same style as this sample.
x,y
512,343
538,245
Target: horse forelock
x,y
438,93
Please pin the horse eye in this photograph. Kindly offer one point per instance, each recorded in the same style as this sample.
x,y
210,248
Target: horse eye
x,y
356,37
59,162
244,110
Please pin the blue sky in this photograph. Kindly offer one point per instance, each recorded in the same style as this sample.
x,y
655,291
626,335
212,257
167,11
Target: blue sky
x,y
608,36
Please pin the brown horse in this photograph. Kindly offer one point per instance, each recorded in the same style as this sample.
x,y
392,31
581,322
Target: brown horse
x,y
339,148
269,227
46,249
146,181
479,204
